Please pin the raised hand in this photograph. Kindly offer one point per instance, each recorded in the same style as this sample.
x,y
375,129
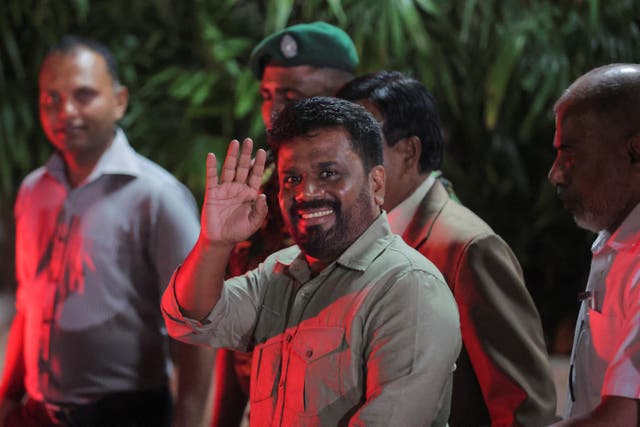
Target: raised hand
x,y
233,209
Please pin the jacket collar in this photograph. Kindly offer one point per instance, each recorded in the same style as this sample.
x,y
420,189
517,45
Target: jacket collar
x,y
428,211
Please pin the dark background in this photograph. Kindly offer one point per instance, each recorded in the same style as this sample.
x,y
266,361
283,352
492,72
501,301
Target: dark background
x,y
496,68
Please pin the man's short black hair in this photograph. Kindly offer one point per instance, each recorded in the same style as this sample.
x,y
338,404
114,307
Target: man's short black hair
x,y
312,114
408,109
70,42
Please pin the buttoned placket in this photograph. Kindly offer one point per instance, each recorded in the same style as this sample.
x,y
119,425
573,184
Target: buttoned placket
x,y
595,289
301,300
58,258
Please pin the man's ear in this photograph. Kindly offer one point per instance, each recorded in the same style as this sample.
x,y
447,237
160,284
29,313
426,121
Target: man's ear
x,y
122,101
410,149
377,183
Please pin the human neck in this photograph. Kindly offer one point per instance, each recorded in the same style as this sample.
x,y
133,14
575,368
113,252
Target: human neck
x,y
409,186
80,165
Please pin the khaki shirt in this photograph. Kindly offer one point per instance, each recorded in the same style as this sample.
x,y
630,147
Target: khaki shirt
x,y
371,340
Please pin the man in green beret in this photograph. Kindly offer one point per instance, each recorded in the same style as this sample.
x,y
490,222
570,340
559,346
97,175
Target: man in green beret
x,y
298,62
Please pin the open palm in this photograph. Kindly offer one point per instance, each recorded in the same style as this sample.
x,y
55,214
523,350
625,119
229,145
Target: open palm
x,y
233,208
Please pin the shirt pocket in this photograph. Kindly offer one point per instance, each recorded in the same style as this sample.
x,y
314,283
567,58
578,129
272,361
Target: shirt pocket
x,y
316,370
605,334
266,365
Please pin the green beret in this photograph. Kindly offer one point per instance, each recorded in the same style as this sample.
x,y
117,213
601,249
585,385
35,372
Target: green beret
x,y
317,44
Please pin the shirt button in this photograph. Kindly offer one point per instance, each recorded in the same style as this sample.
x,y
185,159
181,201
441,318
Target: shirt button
x,y
309,353
288,338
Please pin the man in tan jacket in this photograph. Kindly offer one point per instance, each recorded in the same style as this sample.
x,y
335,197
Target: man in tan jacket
x,y
503,377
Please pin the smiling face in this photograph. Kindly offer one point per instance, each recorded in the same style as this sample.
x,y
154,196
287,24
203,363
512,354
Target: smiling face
x,y
326,197
282,85
79,103
592,170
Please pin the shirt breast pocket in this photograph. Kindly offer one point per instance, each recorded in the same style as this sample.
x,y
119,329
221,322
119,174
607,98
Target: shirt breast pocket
x,y
266,364
605,333
317,378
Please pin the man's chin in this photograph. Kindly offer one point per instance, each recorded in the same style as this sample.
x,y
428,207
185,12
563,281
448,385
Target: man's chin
x,y
316,244
587,224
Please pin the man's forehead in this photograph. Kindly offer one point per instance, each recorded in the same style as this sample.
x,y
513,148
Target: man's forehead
x,y
323,145
78,61
300,75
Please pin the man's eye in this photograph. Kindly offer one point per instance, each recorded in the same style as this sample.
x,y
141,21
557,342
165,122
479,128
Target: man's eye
x,y
49,99
266,96
328,173
85,95
291,180
291,96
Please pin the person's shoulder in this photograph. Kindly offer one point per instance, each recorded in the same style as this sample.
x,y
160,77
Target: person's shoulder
x,y
156,178
462,222
37,182
153,171
399,255
32,189
458,231
33,178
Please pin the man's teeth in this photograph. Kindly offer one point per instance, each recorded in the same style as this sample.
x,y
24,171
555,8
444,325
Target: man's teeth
x,y
316,214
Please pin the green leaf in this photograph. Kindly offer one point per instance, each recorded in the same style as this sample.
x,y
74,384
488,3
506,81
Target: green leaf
x,y
467,17
430,6
246,94
338,12
499,75
414,25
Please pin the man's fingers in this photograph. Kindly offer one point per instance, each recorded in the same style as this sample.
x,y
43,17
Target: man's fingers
x,y
212,170
257,170
244,162
230,162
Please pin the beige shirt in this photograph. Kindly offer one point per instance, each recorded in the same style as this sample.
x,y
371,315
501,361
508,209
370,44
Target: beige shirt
x,y
371,340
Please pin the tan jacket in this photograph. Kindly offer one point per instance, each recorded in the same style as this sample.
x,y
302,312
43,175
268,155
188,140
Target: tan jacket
x,y
503,376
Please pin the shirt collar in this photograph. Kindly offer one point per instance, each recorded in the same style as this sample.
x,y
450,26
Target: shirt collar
x,y
626,236
401,215
118,159
358,256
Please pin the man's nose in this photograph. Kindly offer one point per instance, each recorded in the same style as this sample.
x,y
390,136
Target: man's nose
x,y
556,173
309,190
68,108
276,106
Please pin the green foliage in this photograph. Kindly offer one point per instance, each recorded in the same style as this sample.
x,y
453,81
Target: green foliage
x,y
496,67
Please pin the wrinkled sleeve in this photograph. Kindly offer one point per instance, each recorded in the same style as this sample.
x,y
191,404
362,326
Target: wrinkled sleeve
x,y
502,334
622,377
229,324
175,230
412,341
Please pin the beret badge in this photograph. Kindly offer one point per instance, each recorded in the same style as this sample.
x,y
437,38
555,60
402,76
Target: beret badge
x,y
288,46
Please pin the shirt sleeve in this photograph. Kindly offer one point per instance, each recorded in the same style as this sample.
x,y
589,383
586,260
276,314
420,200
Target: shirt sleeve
x,y
412,342
175,230
229,324
502,334
622,377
